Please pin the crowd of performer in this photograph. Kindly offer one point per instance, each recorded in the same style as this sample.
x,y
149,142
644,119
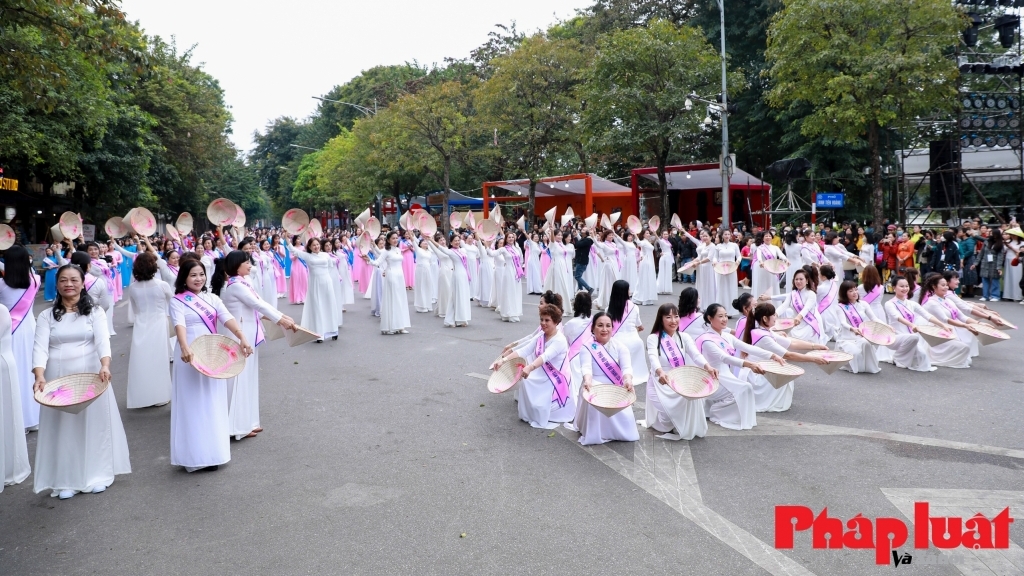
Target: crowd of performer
x,y
592,280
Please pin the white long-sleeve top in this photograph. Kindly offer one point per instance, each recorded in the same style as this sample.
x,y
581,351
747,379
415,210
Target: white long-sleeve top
x,y
618,352
656,356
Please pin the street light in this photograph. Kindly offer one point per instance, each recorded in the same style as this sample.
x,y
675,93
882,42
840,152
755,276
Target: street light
x,y
362,109
304,147
726,168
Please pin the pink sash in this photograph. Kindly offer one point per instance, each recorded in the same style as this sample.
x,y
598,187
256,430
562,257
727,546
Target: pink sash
x,y
88,284
811,318
904,311
716,340
206,312
761,255
584,339
23,307
954,312
685,321
465,263
672,351
757,333
558,380
618,260
173,269
830,297
741,326
604,360
260,336
625,314
517,263
870,297
852,315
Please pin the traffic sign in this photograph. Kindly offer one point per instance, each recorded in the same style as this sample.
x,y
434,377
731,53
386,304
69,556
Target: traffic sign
x,y
831,200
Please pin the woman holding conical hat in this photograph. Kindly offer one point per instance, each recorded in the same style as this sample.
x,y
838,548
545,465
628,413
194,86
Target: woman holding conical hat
x,y
801,304
299,281
423,290
954,353
459,311
605,361
646,291
394,305
904,316
18,289
149,377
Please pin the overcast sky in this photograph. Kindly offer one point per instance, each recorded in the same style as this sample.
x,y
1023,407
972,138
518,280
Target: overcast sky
x,y
272,57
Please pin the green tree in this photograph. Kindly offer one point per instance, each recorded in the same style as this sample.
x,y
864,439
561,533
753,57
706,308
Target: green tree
x,y
531,101
863,66
636,95
276,161
428,131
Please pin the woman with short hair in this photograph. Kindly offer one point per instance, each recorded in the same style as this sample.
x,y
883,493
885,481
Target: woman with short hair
x,y
18,289
605,361
149,379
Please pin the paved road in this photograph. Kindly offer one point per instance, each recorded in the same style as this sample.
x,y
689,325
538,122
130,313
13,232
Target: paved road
x,y
387,455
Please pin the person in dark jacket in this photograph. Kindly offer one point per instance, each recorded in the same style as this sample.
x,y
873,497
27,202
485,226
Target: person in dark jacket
x,y
683,252
582,260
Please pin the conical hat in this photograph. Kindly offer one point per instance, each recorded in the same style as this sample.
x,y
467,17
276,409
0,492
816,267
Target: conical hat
x,y
221,212
300,336
239,217
469,221
1016,232
878,333
362,218
615,217
775,266
115,228
676,222
692,382
365,242
55,232
427,225
506,376
372,226
217,356
780,374
836,359
71,393
568,216
487,230
654,223
633,224
934,335
605,222
70,225
609,399
495,215
271,330
455,220
405,222
989,335
127,221
184,223
784,324
591,221
549,216
316,229
7,237
725,266
295,221
172,232
143,222
521,223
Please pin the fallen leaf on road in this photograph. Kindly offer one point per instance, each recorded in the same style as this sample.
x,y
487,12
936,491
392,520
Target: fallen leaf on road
x,y
552,435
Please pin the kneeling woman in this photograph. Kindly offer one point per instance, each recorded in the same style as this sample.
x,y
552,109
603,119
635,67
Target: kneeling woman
x,y
668,348
758,332
733,406
200,424
955,353
605,361
801,304
853,313
76,452
910,350
544,394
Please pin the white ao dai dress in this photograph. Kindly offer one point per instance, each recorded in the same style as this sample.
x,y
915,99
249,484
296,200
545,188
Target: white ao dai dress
x,y
665,263
828,307
246,306
629,271
874,300
768,398
761,279
394,306
14,462
321,312
627,332
486,276
81,451
910,350
803,304
594,426
666,410
459,311
22,344
645,293
534,282
423,285
794,253
149,375
560,280
952,354
865,354
727,285
541,403
1011,273
610,256
733,405
200,424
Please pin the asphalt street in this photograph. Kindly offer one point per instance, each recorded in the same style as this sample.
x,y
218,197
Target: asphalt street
x,y
387,455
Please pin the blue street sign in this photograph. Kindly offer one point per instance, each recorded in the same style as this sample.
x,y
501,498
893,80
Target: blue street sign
x,y
831,200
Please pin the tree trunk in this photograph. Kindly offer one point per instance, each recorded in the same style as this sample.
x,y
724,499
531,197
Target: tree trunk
x,y
877,194
533,201
663,189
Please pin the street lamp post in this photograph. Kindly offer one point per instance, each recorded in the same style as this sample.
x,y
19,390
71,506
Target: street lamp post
x,y
362,109
726,164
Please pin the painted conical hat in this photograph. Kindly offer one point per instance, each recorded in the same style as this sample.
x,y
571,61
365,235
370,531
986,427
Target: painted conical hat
x,y
127,221
184,223
549,216
426,224
217,356
633,224
609,399
70,225
836,359
221,212
7,237
172,232
363,216
591,221
143,222
990,335
654,223
487,230
676,222
295,221
568,216
239,217
455,219
878,333
316,229
506,376
778,375
372,226
496,215
469,221
365,242
115,227
71,393
692,382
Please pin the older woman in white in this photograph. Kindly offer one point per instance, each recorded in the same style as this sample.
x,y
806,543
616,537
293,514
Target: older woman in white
x,y
733,406
544,392
200,416
76,452
665,263
761,279
459,311
320,313
852,314
758,332
707,280
394,307
646,291
677,417
423,286
955,353
605,361
609,254
14,462
801,304
726,285
18,289
149,377
246,306
904,315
